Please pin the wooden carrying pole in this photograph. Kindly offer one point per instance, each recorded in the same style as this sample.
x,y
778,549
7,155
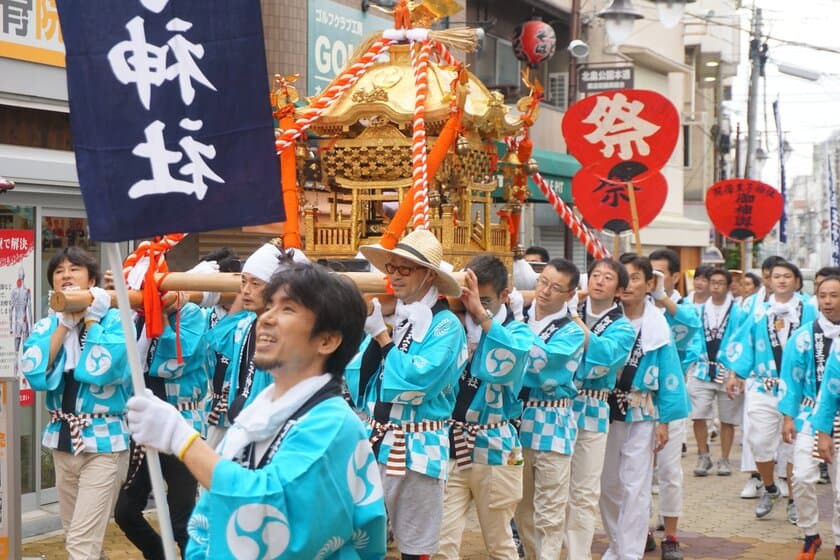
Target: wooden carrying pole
x,y
72,302
634,216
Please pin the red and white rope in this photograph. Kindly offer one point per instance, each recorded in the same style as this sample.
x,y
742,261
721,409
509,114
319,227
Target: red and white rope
x,y
593,245
444,55
420,180
330,95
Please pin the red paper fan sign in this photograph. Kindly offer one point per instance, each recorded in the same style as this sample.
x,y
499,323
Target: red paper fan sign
x,y
621,126
743,208
605,203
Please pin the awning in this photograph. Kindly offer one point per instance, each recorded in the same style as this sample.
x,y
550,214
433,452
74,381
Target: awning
x,y
557,169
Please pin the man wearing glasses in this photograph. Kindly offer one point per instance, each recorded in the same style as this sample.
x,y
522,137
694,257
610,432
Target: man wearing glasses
x,y
548,427
414,394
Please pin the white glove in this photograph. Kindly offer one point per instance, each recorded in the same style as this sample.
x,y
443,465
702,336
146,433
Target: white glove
x,y
517,303
157,424
69,320
100,306
375,324
204,267
659,287
573,304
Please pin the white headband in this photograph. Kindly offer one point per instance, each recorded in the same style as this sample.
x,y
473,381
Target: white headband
x,y
263,262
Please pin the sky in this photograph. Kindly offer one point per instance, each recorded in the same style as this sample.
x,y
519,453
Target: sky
x,y
810,110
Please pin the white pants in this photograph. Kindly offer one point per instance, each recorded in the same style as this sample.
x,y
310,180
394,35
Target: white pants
x,y
765,433
584,493
806,473
747,461
496,491
541,515
625,488
669,465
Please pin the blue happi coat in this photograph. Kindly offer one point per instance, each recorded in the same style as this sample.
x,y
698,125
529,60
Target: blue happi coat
x,y
103,376
684,324
228,338
750,352
186,384
659,376
420,383
550,377
798,386
489,391
822,420
604,357
696,358
320,496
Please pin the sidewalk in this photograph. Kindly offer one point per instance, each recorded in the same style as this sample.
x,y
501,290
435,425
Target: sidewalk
x,y
716,525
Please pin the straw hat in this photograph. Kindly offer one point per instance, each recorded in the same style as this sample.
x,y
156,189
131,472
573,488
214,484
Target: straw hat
x,y
420,247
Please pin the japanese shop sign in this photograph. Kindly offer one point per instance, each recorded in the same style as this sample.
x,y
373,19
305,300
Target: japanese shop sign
x,y
335,30
743,208
170,115
604,78
29,30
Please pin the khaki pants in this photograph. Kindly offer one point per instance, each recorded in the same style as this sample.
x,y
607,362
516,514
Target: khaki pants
x,y
496,490
584,492
541,515
88,485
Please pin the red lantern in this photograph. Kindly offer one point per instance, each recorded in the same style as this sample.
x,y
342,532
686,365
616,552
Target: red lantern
x,y
743,208
622,126
605,203
534,42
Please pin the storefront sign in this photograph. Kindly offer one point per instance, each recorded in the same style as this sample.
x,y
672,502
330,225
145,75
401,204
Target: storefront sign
x,y
606,78
173,130
335,30
29,31
17,279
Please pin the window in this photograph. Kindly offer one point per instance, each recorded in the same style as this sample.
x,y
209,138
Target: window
x,y
497,67
557,90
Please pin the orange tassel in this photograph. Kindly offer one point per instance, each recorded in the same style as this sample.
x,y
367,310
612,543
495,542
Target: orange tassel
x,y
288,175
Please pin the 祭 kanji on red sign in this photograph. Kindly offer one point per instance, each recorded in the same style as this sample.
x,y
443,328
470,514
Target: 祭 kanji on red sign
x,y
605,202
622,126
743,208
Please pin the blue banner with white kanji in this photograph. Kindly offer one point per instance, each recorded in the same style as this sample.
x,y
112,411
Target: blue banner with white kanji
x,y
170,114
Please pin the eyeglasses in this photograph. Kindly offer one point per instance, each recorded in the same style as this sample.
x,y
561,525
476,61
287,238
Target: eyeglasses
x,y
404,270
542,282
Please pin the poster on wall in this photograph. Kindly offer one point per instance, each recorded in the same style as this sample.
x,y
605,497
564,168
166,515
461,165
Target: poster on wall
x,y
17,280
30,31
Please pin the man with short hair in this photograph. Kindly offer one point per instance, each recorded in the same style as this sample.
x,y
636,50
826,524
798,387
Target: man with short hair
x,y
609,337
414,393
233,338
538,254
721,318
648,399
684,321
296,445
802,380
700,293
483,442
756,351
548,428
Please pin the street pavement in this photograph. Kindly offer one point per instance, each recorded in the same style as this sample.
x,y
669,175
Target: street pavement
x,y
716,525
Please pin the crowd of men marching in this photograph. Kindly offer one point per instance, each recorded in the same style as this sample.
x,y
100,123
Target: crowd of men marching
x,y
299,417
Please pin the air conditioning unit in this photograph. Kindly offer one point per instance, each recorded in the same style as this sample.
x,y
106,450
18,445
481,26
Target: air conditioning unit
x,y
557,90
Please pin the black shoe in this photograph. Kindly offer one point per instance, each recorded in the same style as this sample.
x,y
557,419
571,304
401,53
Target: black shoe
x,y
650,545
824,478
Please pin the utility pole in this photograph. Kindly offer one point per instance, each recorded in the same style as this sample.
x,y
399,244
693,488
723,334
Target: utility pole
x,y
574,31
756,62
757,58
